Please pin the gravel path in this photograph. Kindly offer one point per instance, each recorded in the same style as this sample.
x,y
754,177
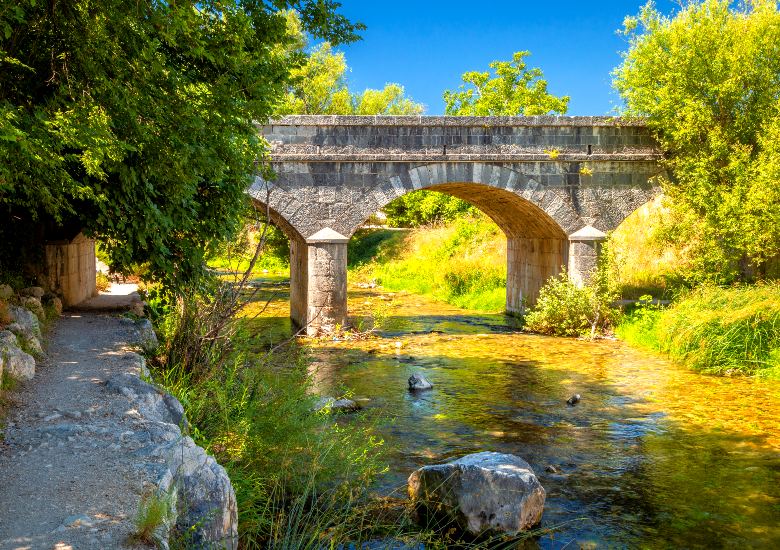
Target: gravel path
x,y
69,474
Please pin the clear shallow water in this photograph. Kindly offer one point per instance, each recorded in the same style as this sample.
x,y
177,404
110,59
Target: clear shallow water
x,y
654,456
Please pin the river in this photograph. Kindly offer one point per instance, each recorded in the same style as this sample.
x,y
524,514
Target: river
x,y
654,455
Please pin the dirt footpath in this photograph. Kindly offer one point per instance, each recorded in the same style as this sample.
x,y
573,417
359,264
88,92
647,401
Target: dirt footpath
x,y
70,473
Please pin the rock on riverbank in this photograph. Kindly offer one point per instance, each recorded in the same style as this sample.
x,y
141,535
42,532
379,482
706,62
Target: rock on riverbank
x,y
480,492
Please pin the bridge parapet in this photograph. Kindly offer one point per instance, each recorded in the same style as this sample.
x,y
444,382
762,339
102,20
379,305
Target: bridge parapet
x,y
317,138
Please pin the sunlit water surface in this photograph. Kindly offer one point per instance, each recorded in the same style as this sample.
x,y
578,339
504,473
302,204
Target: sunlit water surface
x,y
654,456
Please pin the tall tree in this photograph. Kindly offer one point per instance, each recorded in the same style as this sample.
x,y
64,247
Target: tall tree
x,y
320,85
514,90
136,120
707,79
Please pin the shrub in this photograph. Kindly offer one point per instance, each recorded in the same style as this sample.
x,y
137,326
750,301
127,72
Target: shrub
x,y
566,309
102,282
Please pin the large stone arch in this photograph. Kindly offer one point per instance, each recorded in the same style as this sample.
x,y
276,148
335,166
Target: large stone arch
x,y
536,220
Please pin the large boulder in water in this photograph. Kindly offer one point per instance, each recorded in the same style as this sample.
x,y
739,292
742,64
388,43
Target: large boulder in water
x,y
417,382
480,492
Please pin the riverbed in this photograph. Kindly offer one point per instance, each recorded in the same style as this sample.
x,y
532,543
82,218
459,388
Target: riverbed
x,y
653,456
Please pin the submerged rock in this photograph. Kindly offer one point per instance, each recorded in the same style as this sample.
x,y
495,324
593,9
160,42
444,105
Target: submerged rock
x,y
331,404
418,382
573,400
480,492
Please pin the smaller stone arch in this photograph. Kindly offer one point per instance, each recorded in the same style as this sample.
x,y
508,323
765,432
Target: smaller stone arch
x,y
282,209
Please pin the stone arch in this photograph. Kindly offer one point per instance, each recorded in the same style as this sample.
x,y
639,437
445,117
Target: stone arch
x,y
534,219
498,190
283,209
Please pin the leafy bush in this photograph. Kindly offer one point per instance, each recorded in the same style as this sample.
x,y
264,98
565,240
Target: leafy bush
x,y
566,309
102,282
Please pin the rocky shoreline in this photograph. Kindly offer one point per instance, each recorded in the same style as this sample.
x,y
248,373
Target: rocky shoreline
x,y
87,439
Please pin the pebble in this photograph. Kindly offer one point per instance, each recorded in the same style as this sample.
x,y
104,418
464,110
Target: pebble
x,y
51,417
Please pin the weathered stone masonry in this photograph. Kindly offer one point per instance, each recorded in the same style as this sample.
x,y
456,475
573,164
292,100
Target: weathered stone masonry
x,y
553,184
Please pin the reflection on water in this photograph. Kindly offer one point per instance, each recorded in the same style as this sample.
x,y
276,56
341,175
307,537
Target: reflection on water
x,y
653,456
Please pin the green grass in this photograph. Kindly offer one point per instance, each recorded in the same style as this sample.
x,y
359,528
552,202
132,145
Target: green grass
x,y
462,263
297,474
715,330
154,511
641,261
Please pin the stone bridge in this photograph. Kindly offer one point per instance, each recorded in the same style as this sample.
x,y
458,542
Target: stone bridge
x,y
555,186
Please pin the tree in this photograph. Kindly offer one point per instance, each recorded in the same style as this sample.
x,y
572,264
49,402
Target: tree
x,y
424,207
707,79
134,121
319,85
514,90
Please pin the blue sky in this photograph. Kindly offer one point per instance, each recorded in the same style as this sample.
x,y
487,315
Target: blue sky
x,y
427,45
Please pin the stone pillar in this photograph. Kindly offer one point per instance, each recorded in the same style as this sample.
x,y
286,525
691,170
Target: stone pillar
x,y
530,262
299,281
318,281
584,251
71,269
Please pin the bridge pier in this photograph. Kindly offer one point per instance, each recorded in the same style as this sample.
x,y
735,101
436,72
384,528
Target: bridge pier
x,y
318,273
318,281
584,251
530,262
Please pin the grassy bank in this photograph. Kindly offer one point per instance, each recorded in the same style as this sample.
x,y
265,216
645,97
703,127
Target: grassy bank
x,y
462,263
714,330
